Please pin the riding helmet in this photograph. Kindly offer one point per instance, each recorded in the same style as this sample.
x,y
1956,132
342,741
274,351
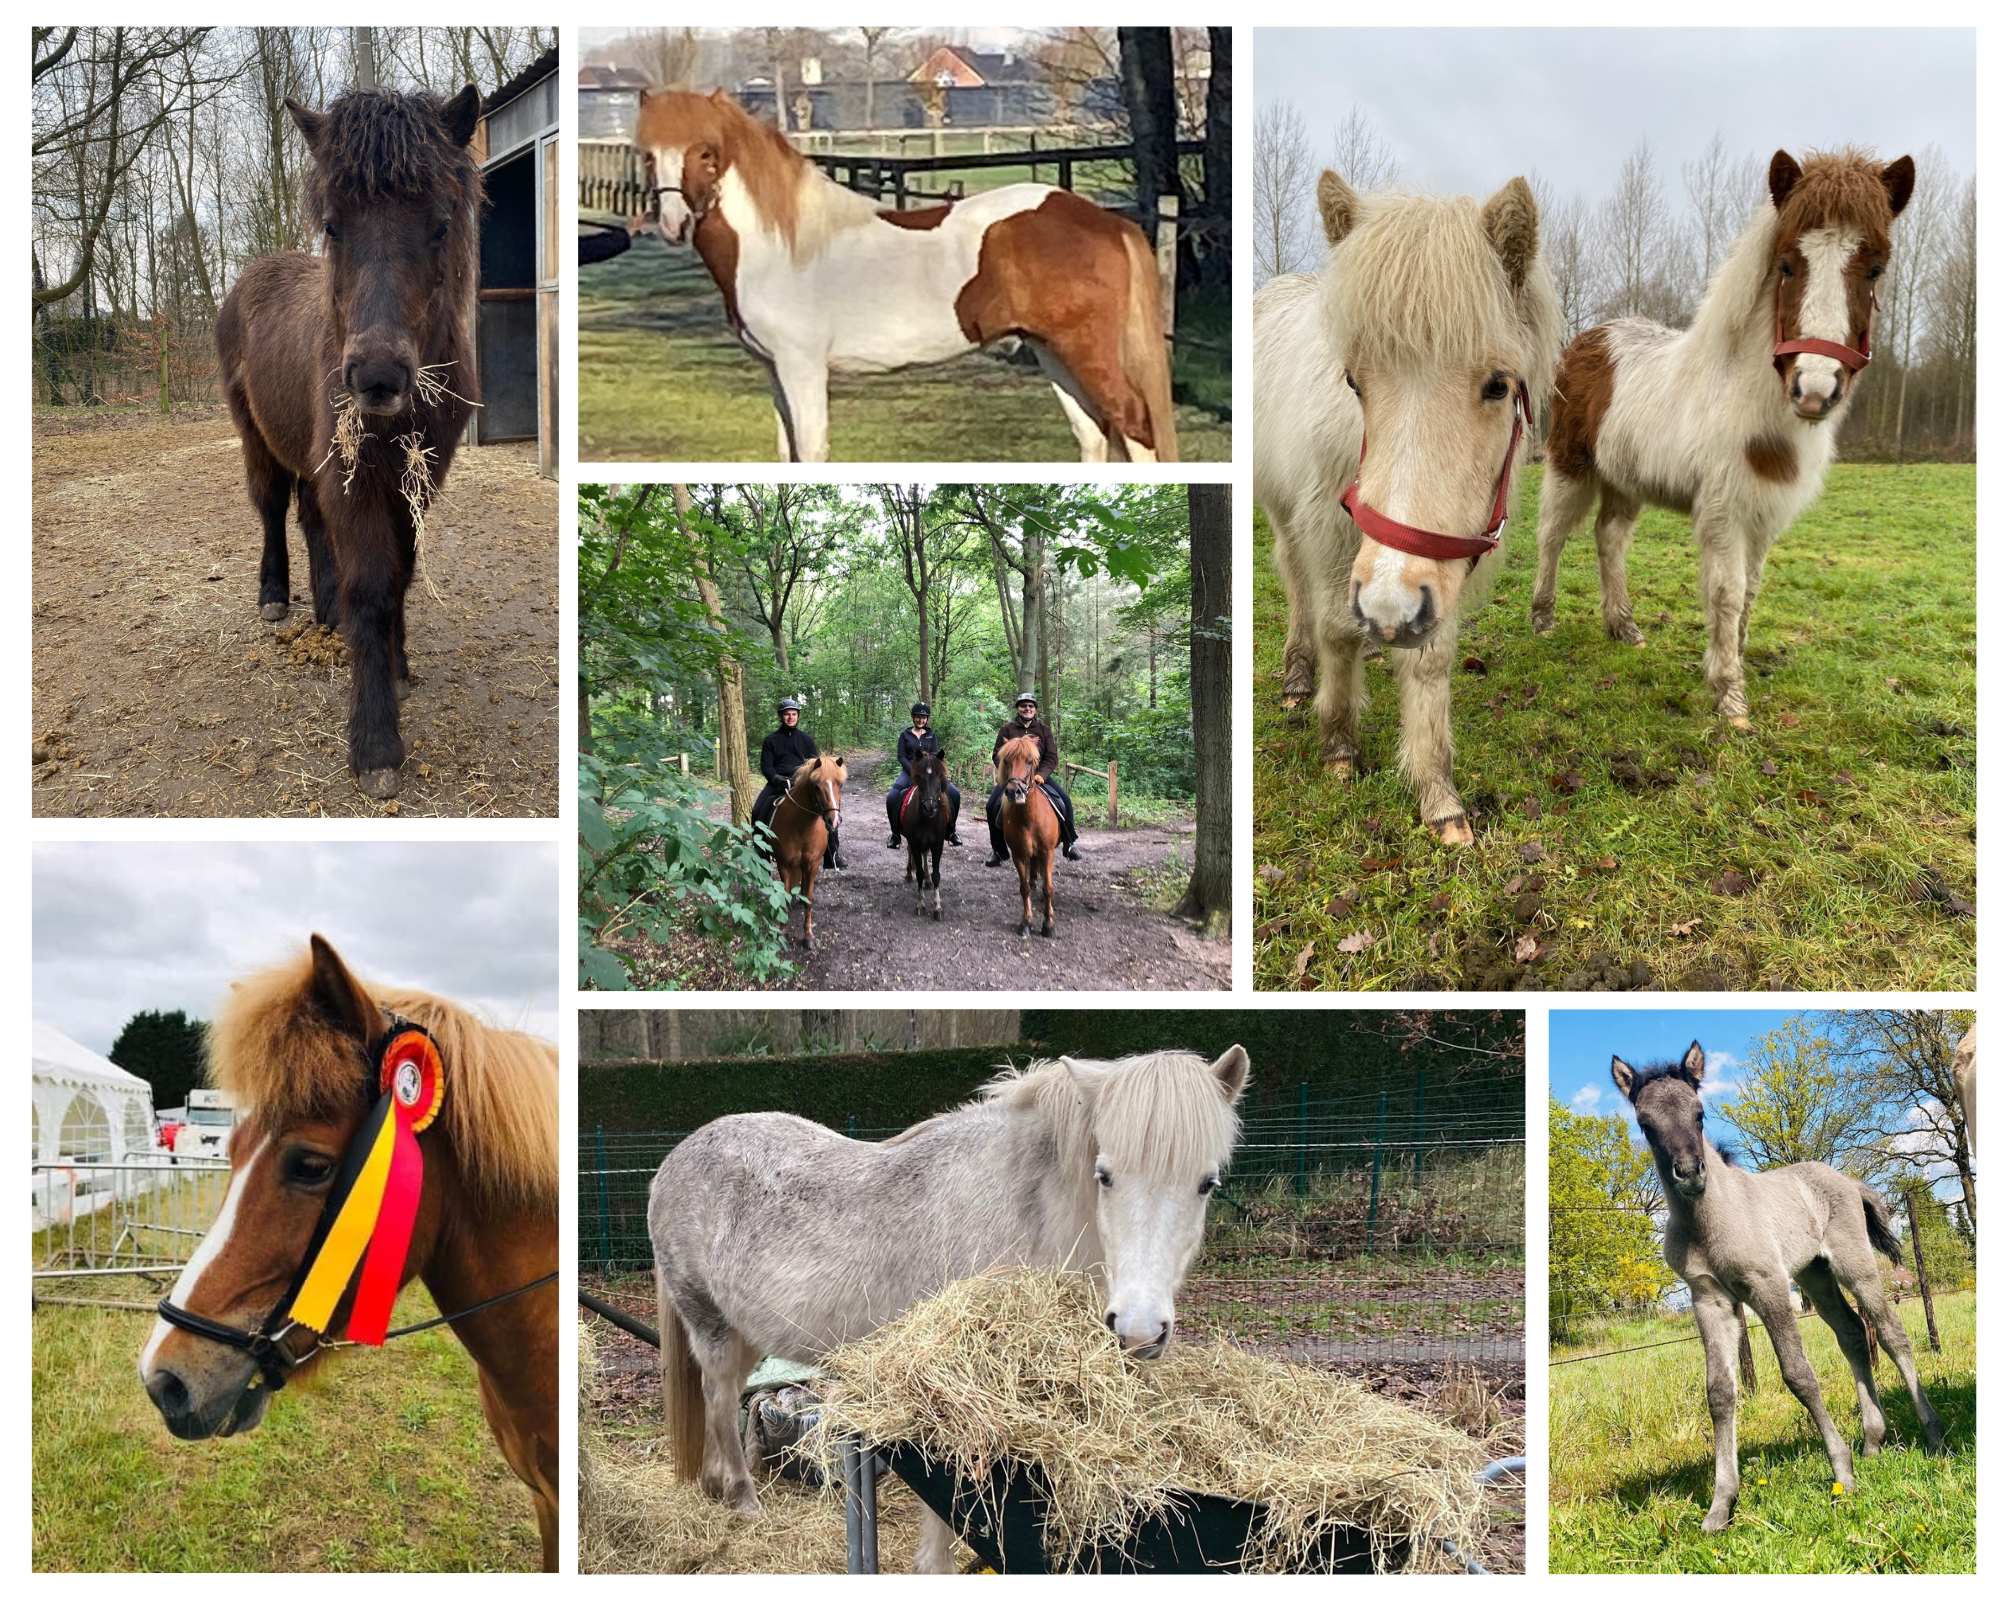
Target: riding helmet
x,y
1026,699
789,704
919,710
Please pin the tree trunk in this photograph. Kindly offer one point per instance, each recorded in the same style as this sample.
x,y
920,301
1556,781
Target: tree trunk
x,y
1146,69
728,688
1219,199
1208,890
364,58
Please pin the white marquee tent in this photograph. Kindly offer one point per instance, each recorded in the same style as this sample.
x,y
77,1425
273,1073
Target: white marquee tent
x,y
87,1110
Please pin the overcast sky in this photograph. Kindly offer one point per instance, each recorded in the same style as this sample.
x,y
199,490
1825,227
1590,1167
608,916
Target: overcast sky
x,y
121,928
1465,109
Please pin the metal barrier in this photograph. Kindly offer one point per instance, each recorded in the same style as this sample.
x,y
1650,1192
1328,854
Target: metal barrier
x,y
104,1219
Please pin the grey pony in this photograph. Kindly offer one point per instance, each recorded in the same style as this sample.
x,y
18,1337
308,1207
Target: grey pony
x,y
1739,1238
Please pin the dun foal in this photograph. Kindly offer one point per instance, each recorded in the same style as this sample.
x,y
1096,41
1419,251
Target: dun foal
x,y
1740,1239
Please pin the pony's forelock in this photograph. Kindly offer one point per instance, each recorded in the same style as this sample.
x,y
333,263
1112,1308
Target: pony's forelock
x,y
1163,1113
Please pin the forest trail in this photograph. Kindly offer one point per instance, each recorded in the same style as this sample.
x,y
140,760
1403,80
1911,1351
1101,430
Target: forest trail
x,y
869,936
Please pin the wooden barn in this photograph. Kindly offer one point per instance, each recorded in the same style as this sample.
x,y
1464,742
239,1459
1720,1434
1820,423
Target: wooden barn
x,y
520,263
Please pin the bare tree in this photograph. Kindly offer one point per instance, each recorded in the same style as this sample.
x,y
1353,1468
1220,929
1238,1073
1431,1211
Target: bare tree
x,y
875,43
1919,240
1361,155
1284,225
665,55
1568,253
1633,223
1720,195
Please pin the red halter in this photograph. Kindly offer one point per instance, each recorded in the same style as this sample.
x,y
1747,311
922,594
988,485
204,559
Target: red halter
x,y
1441,546
1850,358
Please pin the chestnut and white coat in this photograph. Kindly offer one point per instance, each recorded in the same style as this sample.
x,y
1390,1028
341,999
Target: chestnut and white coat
x,y
1708,421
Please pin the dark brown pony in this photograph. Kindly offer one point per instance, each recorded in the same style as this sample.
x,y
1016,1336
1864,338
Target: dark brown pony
x,y
295,1049
926,819
349,376
1028,821
799,823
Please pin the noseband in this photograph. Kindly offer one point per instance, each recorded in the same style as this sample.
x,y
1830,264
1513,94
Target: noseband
x,y
825,814
1849,357
653,191
371,1208
1441,546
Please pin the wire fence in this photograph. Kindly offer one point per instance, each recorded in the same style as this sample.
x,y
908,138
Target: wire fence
x,y
1365,1230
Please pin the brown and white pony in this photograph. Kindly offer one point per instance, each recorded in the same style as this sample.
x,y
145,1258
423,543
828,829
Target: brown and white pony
x,y
295,1048
799,824
1031,829
817,279
1393,392
349,377
1733,421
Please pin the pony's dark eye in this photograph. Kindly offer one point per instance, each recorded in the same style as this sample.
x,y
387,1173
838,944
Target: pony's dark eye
x,y
1497,387
307,1169
1785,267
1103,1179
1348,379
331,231
1875,272
1207,1186
439,232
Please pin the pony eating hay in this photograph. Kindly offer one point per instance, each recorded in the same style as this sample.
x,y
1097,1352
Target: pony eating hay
x,y
775,1236
818,280
1733,421
1393,391
391,1122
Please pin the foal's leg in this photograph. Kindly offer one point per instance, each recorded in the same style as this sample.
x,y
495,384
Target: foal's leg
x,y
1300,647
271,493
1022,866
1342,694
934,1544
1724,585
1757,551
1565,500
1616,515
1715,1316
1817,1281
1769,1299
1426,754
321,567
1865,1283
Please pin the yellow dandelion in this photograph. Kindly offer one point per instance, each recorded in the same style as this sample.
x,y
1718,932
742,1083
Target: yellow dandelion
x,y
1761,1482
1838,1490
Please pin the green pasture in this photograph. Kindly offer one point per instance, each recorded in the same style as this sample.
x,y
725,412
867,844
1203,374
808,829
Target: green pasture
x,y
1631,1464
1618,819
661,378
382,1462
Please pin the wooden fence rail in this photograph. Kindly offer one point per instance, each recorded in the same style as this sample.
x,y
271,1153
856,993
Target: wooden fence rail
x,y
1110,777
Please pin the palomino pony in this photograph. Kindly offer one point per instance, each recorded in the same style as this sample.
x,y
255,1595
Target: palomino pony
x,y
775,1236
925,821
1031,828
817,279
1740,1238
1733,421
799,824
337,1085
349,377
1393,391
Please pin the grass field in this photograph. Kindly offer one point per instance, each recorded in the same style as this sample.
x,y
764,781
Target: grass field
x,y
1631,1467
661,378
382,1463
1618,818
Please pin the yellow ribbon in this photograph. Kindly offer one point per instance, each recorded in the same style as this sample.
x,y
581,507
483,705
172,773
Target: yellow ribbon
x,y
348,1238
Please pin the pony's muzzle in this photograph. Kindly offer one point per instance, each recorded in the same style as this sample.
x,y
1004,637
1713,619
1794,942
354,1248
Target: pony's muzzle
x,y
1396,625
211,1405
1693,1184
1142,1340
380,383
1813,395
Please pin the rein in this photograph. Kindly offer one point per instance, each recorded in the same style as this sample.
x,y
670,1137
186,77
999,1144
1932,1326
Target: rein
x,y
791,783
370,1211
1401,536
1849,357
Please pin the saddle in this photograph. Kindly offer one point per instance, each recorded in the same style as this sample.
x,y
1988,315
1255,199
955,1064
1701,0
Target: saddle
x,y
903,814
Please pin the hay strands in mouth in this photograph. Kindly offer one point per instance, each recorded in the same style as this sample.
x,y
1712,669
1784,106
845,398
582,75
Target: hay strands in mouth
x,y
431,388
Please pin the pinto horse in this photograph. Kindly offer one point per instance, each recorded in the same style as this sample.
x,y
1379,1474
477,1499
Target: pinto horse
x,y
1733,421
349,377
926,819
819,280
799,824
775,1236
1393,390
301,1049
1031,828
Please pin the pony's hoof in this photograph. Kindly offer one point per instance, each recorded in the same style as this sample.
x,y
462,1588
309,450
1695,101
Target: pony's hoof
x,y
274,611
381,783
1453,830
1740,724
1715,1522
1024,930
1048,933
1292,702
1544,619
937,916
1626,632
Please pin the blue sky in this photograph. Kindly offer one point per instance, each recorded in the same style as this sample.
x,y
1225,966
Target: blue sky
x,y
1582,1043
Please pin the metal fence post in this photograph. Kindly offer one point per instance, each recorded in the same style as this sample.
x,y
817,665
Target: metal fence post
x,y
852,1125
1418,1133
1375,1183
603,1201
1923,1278
1299,1165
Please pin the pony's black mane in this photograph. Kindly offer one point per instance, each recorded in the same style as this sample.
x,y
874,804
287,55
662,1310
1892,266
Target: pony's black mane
x,y
1663,1069
377,144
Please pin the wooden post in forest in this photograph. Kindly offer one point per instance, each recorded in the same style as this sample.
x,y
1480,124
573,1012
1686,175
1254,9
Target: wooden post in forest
x,y
1166,250
1917,1256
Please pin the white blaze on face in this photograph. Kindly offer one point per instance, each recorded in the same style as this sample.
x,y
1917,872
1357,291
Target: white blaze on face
x,y
675,216
206,1254
1151,1228
1823,313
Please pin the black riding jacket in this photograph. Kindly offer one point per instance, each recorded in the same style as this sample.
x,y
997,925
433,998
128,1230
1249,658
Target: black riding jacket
x,y
784,749
913,744
1037,730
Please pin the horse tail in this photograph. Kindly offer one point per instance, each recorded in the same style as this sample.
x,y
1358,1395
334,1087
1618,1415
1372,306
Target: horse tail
x,y
680,1389
1142,346
1880,1234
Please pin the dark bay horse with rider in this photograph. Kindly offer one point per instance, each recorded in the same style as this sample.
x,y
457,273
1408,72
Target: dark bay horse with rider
x,y
923,807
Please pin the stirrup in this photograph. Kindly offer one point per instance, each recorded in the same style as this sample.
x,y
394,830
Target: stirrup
x,y
895,842
1071,853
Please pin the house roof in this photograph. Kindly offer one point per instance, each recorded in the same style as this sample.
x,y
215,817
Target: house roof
x,y
974,69
613,77
521,82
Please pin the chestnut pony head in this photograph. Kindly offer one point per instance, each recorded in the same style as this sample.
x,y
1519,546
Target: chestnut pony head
x,y
824,774
1831,246
694,143
295,1049
394,194
1017,762
1445,320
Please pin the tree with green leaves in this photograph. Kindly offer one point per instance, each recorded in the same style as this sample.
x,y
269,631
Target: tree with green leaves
x,y
1905,1058
1798,1103
166,1048
1603,1254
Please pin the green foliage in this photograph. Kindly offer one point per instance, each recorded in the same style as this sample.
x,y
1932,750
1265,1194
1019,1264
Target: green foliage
x,y
1603,1255
1797,1103
167,1050
1948,1249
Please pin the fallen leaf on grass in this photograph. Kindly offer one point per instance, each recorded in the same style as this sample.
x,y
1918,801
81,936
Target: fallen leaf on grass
x,y
1514,885
1810,797
1532,851
1732,882
1339,906
1441,902
1788,721
1355,943
1603,864
1567,782
1527,947
1768,768
1271,872
1380,863
1843,776
1474,664
1271,930
1531,808
1304,960
1680,930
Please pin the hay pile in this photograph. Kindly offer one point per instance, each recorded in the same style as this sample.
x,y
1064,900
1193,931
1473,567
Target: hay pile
x,y
1018,1367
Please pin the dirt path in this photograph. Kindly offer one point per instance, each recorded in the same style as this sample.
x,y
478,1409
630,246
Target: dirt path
x,y
158,692
869,935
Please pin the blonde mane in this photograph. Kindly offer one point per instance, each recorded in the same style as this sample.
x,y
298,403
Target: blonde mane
x,y
273,1053
1021,745
1160,1113
1417,282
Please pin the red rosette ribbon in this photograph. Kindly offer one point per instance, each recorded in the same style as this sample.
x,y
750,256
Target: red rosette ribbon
x,y
413,1079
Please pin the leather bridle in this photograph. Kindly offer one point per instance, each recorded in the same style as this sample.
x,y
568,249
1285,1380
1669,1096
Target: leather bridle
x,y
1401,536
830,815
1849,357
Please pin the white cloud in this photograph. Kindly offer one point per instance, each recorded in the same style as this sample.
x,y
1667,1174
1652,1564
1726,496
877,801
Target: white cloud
x,y
1585,1099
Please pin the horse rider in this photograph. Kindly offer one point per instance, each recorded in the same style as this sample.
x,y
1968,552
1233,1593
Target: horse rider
x,y
1027,724
787,748
916,740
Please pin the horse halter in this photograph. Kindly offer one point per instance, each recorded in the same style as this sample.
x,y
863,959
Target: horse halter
x,y
1441,546
1849,357
826,815
371,1209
